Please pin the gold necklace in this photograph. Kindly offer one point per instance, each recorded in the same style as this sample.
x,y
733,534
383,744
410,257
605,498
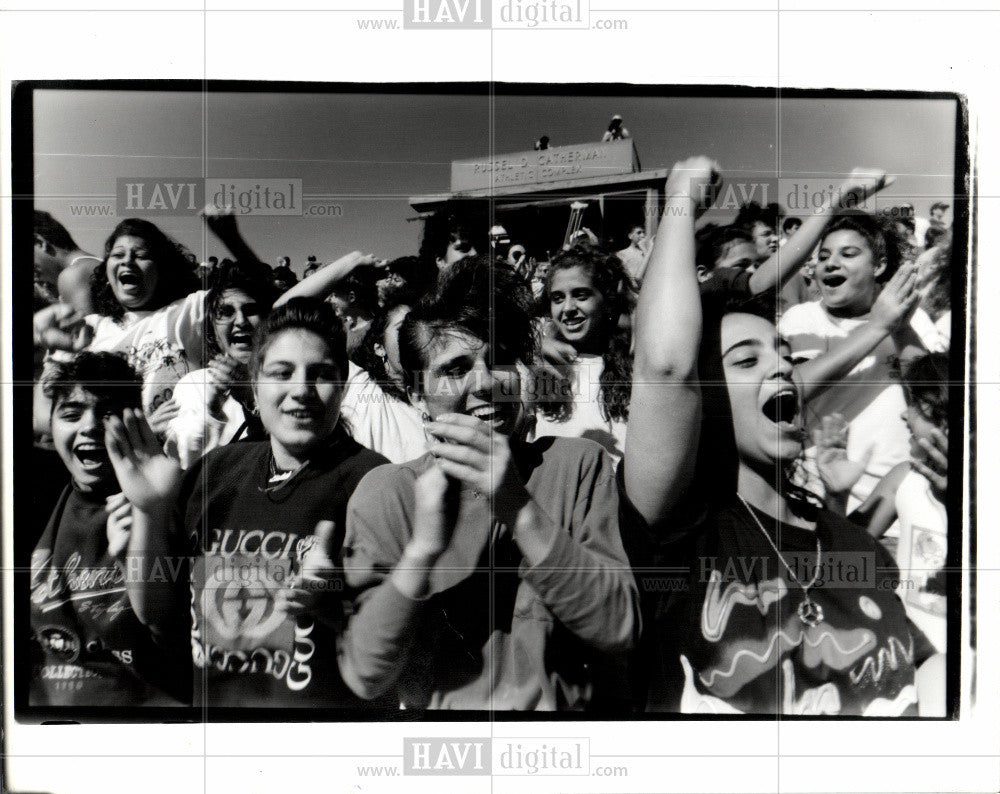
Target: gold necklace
x,y
809,612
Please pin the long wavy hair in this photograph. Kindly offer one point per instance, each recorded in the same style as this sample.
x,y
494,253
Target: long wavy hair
x,y
609,278
176,275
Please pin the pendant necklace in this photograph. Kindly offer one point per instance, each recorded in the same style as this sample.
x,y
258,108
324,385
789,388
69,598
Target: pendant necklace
x,y
810,613
278,479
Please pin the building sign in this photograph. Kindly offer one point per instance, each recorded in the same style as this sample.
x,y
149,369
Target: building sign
x,y
549,165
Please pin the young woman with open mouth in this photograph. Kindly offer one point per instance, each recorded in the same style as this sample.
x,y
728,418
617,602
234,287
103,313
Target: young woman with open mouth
x,y
754,622
148,305
858,256
215,404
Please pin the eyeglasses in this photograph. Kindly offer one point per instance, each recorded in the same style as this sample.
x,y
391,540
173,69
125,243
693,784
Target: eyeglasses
x,y
226,313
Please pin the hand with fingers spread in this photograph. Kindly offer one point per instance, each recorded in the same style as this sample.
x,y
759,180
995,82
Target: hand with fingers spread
x,y
468,450
930,458
149,479
162,415
119,523
838,472
861,184
898,299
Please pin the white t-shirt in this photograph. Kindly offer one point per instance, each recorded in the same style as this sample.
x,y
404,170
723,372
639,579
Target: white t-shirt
x,y
935,335
194,431
634,260
586,421
379,421
920,227
163,345
870,397
922,552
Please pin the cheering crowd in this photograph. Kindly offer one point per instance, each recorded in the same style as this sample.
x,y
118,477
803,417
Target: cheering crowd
x,y
706,475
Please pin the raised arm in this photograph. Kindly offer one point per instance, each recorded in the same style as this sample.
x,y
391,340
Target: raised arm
x,y
151,482
665,407
222,222
890,316
862,183
74,285
321,283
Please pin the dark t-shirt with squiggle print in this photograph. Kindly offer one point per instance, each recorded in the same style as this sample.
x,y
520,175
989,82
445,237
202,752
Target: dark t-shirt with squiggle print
x,y
723,630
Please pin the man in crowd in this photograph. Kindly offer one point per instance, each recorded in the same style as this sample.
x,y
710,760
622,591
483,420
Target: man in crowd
x,y
636,254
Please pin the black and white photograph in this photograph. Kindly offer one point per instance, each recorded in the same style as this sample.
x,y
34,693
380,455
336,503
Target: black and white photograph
x,y
478,434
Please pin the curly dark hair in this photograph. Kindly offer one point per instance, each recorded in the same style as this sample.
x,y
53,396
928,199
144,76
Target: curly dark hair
x,y
610,278
420,277
108,376
925,382
253,278
177,277
460,220
880,234
484,298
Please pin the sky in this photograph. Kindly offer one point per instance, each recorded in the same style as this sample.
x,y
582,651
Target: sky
x,y
368,153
